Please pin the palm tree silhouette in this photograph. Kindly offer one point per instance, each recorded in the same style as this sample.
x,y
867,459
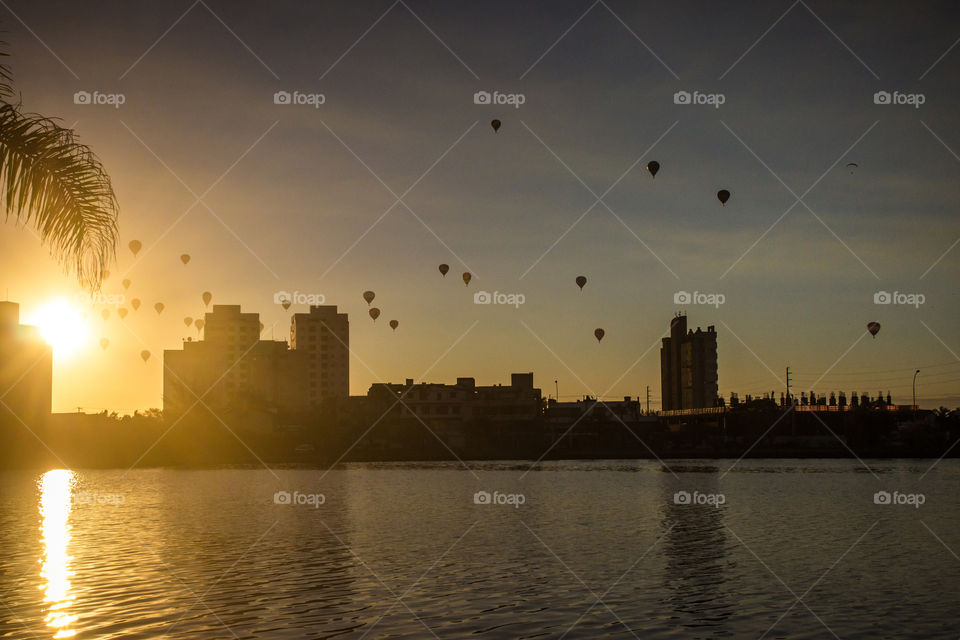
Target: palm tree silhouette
x,y
57,185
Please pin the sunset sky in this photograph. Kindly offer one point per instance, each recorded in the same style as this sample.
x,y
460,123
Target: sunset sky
x,y
297,198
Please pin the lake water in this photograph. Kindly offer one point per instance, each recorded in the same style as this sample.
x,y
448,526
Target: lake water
x,y
771,548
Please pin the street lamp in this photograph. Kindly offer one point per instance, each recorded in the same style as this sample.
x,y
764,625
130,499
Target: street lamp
x,y
915,374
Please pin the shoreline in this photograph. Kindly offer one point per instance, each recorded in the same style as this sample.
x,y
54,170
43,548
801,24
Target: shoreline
x,y
532,464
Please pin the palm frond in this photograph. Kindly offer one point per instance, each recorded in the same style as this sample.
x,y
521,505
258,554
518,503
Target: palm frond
x,y
6,75
51,181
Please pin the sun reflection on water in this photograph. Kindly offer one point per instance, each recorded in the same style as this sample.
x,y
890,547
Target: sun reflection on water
x,y
55,503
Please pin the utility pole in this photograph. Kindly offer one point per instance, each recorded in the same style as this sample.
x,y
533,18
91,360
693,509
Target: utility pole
x,y
788,386
556,387
915,389
648,399
793,414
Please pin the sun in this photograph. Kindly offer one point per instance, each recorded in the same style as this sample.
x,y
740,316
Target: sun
x,y
63,327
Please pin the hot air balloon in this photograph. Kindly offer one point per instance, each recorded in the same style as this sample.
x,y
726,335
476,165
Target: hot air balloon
x,y
126,283
285,303
852,166
207,297
159,307
723,195
135,303
199,325
135,246
873,328
581,280
598,334
496,125
145,355
369,296
443,269
394,324
104,343
105,314
188,321
466,278
653,166
374,313
122,312
185,258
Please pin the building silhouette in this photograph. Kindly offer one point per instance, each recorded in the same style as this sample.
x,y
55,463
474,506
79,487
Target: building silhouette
x,y
456,414
520,400
26,369
233,369
688,367
439,405
323,335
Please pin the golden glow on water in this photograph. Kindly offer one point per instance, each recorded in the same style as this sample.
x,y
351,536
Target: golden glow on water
x,y
55,503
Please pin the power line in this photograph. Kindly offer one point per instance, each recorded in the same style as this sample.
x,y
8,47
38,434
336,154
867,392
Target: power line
x,y
866,379
868,371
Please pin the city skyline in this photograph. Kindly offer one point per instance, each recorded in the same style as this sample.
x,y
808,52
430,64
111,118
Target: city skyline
x,y
297,202
418,318
235,366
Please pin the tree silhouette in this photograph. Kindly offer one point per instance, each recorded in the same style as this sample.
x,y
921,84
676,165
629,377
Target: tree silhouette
x,y
57,185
